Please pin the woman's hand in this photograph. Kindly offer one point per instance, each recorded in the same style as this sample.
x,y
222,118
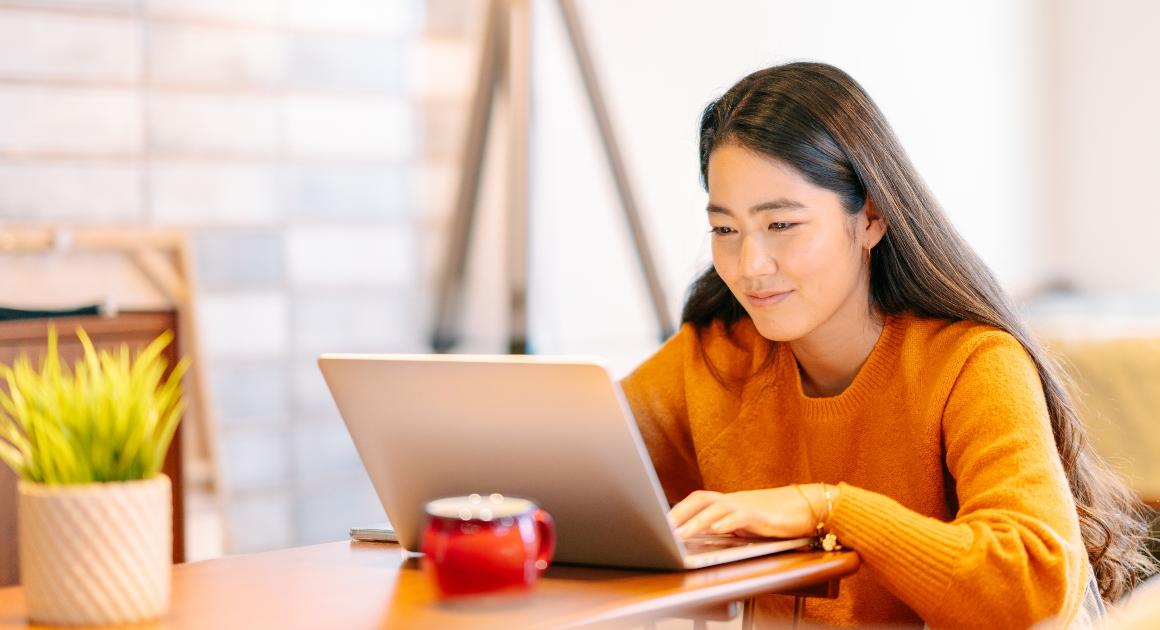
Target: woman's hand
x,y
775,513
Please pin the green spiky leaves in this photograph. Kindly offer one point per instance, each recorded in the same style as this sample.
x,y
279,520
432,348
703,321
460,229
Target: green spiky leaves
x,y
111,418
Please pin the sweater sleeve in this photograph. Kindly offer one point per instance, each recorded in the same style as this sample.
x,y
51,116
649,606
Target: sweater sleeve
x,y
655,391
1013,554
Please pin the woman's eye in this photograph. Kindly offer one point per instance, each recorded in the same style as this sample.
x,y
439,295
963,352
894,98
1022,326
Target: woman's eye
x,y
778,226
721,230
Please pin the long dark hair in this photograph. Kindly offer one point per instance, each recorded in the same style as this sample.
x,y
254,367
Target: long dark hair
x,y
817,119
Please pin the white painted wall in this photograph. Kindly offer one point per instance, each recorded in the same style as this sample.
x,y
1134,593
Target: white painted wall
x,y
959,81
1104,197
282,136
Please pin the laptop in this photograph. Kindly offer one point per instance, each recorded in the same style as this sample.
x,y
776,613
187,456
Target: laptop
x,y
553,430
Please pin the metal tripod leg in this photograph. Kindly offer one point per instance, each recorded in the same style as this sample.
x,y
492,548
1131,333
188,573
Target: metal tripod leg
x,y
507,51
519,75
615,161
450,291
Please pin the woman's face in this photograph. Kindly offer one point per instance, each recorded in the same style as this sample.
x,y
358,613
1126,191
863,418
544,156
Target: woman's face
x,y
786,248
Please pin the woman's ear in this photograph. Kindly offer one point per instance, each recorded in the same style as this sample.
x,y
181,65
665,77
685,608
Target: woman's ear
x,y
873,225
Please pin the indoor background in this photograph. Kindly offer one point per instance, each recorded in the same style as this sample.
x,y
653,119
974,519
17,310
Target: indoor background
x,y
311,150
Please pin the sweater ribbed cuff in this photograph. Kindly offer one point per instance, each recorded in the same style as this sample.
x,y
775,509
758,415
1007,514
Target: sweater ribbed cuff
x,y
913,554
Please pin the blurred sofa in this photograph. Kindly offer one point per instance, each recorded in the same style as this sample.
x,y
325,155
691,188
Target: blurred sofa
x,y
1117,388
1111,349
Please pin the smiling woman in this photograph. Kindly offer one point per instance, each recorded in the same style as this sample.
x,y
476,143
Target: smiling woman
x,y
849,367
794,263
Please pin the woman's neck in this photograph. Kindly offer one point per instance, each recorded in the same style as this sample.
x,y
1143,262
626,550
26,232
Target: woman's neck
x,y
831,355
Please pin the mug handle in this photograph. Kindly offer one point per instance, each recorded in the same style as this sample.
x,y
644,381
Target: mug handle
x,y
547,529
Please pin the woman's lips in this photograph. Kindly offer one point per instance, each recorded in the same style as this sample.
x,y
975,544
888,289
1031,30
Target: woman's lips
x,y
766,299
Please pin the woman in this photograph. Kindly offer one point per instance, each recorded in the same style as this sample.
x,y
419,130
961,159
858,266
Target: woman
x,y
849,367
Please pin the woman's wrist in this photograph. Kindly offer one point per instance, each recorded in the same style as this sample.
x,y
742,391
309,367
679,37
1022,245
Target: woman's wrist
x,y
815,520
817,494
823,496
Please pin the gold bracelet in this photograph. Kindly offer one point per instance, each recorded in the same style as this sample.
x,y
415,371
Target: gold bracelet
x,y
829,540
813,513
829,502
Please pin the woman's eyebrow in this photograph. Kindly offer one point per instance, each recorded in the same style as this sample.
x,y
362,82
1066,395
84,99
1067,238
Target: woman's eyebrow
x,y
777,204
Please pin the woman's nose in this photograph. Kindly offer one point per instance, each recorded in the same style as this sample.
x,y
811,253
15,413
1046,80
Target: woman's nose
x,y
756,257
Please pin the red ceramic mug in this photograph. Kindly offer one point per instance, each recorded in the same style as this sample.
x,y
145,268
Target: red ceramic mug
x,y
480,544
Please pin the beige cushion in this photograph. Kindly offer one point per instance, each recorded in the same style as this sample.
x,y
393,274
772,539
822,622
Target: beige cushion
x,y
1117,389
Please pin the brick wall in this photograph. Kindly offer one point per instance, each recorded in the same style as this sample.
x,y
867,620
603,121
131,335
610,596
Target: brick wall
x,y
285,135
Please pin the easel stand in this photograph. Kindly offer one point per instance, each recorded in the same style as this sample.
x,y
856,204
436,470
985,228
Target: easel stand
x,y
505,67
163,258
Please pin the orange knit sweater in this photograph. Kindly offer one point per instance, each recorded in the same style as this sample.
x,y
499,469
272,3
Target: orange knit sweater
x,y
951,488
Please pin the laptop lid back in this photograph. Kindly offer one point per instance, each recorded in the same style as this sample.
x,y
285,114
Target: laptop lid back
x,y
555,431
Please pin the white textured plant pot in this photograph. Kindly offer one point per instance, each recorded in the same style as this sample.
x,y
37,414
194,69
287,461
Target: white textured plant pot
x,y
96,554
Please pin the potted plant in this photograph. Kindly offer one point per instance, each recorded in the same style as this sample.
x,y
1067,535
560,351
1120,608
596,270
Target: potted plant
x,y
95,514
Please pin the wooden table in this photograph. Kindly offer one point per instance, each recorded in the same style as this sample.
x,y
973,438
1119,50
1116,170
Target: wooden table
x,y
375,585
